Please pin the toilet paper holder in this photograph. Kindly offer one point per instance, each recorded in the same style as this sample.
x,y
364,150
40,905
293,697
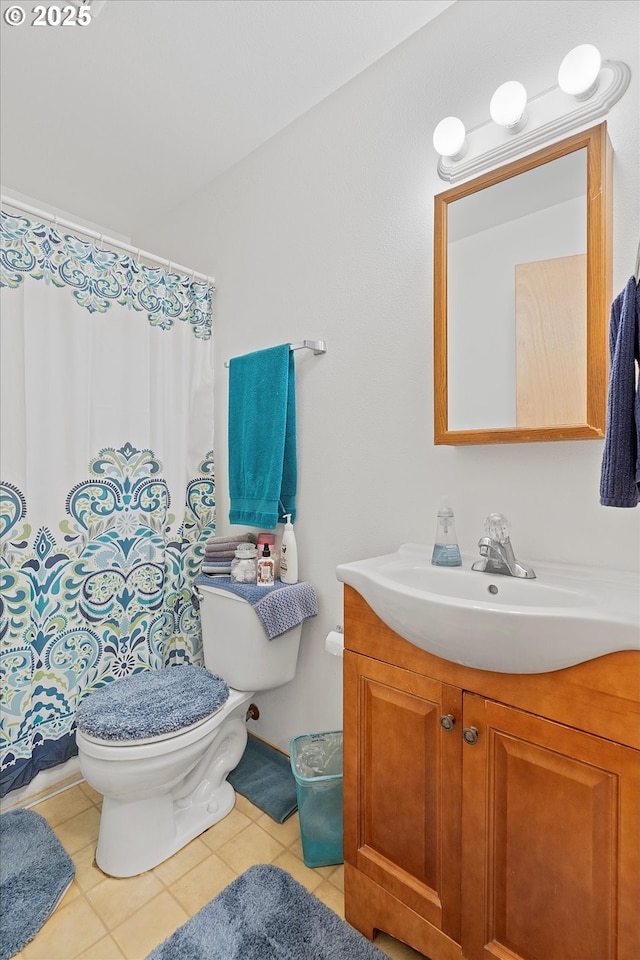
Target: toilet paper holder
x,y
334,641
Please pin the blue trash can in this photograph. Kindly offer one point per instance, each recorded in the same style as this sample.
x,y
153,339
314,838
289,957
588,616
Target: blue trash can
x,y
316,764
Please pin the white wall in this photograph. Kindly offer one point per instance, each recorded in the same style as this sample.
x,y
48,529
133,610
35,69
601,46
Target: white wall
x,y
326,232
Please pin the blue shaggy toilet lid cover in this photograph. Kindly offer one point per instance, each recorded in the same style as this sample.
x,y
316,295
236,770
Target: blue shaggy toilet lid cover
x,y
152,703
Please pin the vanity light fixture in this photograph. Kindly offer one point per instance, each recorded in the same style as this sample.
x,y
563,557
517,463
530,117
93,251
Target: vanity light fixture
x,y
579,71
508,107
586,90
450,138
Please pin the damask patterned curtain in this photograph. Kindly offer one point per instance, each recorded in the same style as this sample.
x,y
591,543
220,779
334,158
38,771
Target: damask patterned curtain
x,y
107,479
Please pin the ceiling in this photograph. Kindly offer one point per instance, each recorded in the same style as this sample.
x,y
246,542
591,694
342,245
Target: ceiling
x,y
122,119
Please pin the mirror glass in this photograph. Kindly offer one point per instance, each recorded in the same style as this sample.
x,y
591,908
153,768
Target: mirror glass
x,y
520,321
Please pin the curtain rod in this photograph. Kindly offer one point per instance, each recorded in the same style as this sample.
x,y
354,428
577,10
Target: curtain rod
x,y
69,225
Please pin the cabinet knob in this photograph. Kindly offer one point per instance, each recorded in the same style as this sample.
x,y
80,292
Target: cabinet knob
x,y
447,722
470,735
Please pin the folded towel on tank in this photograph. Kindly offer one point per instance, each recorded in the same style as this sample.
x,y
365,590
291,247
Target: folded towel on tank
x,y
279,607
223,542
225,549
215,566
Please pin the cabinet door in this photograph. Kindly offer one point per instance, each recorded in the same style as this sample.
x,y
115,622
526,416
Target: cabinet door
x,y
550,842
402,787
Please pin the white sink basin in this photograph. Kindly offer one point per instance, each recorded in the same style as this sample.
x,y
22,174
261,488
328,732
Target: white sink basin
x,y
567,615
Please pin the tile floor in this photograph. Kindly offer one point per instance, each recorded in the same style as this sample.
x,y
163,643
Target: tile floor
x,y
101,918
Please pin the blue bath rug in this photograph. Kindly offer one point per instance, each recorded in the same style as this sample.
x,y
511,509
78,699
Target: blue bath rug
x,y
35,872
266,915
264,777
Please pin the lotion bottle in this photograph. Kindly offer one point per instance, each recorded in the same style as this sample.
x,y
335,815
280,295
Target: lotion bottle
x,y
288,553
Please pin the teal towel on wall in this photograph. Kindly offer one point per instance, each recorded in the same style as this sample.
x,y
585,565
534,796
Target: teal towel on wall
x,y
263,469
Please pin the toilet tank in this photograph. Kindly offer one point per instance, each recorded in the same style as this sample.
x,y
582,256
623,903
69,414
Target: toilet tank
x,y
236,647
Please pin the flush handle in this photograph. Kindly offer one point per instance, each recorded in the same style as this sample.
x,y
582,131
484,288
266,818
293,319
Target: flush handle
x,y
447,721
470,735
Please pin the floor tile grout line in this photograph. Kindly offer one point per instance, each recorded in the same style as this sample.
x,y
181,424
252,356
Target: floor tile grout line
x,y
286,844
112,931
98,939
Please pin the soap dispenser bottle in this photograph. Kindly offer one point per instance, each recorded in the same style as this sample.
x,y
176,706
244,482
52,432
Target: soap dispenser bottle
x,y
288,553
446,552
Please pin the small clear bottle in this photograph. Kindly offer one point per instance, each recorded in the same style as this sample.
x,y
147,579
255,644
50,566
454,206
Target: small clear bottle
x,y
446,552
244,564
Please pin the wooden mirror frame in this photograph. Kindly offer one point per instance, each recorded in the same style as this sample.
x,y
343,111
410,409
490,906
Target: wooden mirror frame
x,y
599,270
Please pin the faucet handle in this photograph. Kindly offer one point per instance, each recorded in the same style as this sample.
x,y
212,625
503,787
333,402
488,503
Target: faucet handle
x,y
497,527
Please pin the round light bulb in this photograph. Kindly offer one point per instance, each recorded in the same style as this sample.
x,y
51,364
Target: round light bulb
x,y
578,73
449,138
508,106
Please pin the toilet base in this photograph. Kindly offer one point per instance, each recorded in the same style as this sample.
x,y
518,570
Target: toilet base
x,y
138,834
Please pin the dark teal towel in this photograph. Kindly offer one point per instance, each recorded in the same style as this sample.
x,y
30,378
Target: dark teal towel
x,y
262,437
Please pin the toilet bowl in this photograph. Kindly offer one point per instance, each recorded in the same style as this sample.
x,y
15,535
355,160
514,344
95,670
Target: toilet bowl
x,y
160,790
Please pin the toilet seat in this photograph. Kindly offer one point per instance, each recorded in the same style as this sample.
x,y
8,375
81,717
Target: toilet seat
x,y
162,744
143,741
152,705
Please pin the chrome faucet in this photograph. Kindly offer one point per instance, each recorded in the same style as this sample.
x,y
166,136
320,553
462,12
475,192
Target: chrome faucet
x,y
497,553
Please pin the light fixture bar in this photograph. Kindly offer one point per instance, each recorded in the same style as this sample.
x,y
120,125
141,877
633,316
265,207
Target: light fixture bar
x,y
551,116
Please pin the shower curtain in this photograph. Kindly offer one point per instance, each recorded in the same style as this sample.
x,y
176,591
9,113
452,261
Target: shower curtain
x,y
107,479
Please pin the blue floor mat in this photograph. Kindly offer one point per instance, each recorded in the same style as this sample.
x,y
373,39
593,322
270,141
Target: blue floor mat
x,y
35,871
264,777
264,914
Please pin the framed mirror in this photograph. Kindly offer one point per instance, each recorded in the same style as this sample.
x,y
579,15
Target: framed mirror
x,y
522,292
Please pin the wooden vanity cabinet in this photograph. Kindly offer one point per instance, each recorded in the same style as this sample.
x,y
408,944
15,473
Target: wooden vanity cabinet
x,y
489,816
408,789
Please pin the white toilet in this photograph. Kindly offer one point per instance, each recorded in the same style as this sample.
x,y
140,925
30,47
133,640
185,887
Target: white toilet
x,y
162,791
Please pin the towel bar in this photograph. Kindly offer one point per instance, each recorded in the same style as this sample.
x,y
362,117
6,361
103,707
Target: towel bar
x,y
318,347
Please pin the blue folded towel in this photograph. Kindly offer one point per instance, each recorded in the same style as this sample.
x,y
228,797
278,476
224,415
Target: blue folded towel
x,y
279,608
215,566
620,476
262,437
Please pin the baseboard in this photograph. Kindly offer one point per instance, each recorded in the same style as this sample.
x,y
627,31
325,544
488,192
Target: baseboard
x,y
45,784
